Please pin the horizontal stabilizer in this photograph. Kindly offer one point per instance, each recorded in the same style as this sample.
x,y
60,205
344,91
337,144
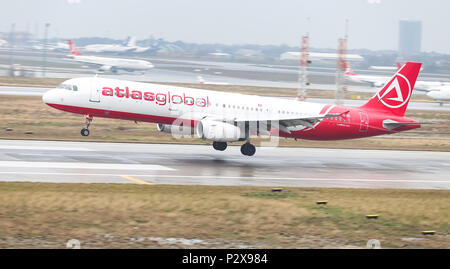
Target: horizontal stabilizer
x,y
391,124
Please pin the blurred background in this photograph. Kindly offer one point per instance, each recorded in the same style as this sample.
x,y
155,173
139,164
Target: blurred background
x,y
253,43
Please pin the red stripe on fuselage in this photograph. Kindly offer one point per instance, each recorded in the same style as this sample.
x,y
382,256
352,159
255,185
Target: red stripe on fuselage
x,y
114,114
328,130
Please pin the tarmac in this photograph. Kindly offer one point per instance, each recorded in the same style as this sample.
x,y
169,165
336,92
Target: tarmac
x,y
94,162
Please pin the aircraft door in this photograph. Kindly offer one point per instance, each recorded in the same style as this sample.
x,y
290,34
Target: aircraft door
x,y
364,124
95,91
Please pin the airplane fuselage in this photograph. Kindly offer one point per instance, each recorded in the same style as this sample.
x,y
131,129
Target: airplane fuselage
x,y
116,63
98,97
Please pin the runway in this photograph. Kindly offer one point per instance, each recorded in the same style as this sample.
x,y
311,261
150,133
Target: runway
x,y
89,162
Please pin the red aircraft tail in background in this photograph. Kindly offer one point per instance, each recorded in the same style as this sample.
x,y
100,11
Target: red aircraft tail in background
x,y
73,49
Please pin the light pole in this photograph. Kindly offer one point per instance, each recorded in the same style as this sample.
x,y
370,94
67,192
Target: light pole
x,y
11,48
45,49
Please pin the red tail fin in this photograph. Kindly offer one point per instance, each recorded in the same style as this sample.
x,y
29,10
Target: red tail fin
x,y
73,49
394,97
348,70
399,65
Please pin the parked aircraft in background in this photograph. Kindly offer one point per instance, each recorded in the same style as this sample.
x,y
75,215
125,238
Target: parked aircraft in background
x,y
374,81
201,80
295,55
59,46
3,42
154,47
128,45
440,94
108,63
227,117
378,67
379,81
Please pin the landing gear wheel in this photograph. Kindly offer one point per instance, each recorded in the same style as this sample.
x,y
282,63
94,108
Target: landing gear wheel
x,y
84,132
248,149
219,145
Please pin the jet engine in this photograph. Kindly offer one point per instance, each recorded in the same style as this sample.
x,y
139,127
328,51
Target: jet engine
x,y
107,68
174,129
218,131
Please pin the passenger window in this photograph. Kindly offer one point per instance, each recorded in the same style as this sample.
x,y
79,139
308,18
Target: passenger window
x,y
75,88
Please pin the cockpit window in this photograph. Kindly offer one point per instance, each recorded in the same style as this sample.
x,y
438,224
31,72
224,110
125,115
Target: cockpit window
x,y
68,87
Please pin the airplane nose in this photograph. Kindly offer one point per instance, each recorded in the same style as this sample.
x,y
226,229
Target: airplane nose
x,y
47,97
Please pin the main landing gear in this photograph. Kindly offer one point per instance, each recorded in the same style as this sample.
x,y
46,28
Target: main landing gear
x,y
247,149
85,131
220,145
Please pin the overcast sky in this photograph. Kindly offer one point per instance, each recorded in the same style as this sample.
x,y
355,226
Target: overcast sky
x,y
373,24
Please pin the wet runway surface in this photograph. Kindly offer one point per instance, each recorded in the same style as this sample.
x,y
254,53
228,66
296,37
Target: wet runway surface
x,y
93,162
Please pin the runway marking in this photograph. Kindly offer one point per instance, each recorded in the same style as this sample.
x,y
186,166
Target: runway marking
x,y
81,165
137,180
233,177
44,148
21,93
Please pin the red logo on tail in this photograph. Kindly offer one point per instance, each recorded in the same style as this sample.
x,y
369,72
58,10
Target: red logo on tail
x,y
396,93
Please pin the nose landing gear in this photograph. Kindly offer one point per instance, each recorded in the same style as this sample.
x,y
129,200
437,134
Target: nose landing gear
x,y
85,131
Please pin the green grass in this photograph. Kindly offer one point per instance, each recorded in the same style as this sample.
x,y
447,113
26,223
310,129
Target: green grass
x,y
229,216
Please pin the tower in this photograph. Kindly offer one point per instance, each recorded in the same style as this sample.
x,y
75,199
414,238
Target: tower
x,y
341,86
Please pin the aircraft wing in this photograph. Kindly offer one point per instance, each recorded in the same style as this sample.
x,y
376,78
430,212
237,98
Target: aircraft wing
x,y
288,124
285,123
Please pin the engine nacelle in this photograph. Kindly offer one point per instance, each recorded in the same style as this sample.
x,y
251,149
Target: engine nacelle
x,y
105,68
218,131
165,128
175,129
378,84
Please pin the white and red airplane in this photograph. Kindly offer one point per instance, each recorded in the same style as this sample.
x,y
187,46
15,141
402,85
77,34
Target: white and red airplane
x,y
379,81
440,94
108,63
226,117
374,81
128,45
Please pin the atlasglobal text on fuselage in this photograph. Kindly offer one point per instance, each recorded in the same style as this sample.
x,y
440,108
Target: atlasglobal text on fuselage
x,y
223,117
159,98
